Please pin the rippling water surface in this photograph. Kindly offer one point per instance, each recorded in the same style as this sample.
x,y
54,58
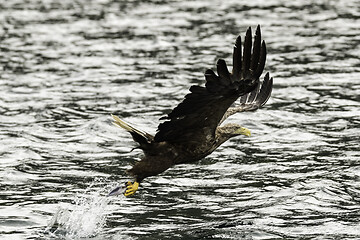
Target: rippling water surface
x,y
67,65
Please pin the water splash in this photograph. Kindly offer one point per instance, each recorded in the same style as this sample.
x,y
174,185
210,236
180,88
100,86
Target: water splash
x,y
85,218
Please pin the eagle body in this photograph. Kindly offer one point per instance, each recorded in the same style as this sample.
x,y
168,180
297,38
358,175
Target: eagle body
x,y
193,129
165,154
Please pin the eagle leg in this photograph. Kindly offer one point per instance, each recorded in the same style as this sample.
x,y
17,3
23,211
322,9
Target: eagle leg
x,y
131,188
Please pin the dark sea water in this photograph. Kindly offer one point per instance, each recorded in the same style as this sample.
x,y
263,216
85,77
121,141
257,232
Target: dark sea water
x,y
65,66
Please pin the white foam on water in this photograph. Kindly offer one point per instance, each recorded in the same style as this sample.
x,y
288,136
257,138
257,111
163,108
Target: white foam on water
x,y
85,218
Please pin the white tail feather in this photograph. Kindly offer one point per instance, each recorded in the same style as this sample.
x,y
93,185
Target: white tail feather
x,y
120,123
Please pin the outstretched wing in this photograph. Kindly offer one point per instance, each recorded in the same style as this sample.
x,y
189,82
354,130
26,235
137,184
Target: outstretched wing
x,y
258,97
252,100
198,115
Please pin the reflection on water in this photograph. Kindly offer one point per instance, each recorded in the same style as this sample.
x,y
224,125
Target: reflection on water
x,y
67,65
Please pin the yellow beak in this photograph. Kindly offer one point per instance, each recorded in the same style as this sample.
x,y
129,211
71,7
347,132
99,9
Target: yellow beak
x,y
244,131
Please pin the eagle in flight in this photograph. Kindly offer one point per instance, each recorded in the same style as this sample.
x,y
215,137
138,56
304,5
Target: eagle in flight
x,y
193,129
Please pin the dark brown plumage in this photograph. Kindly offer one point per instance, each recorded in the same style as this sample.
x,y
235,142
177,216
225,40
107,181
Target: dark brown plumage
x,y
193,130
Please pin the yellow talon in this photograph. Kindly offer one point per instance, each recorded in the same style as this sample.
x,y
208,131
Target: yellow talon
x,y
131,188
